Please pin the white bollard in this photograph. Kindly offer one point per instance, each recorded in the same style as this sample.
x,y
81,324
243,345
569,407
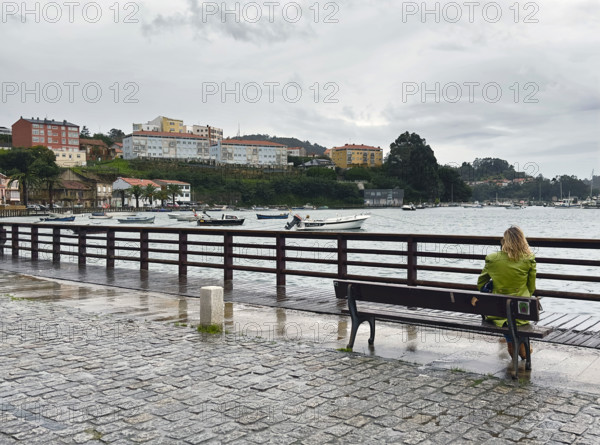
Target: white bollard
x,y
211,306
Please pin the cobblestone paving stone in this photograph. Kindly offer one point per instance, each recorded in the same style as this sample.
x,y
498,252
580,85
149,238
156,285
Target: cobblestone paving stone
x,y
70,377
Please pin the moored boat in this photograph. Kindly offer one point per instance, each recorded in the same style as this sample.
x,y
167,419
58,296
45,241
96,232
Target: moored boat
x,y
265,216
337,223
100,215
188,217
137,220
58,218
226,220
409,207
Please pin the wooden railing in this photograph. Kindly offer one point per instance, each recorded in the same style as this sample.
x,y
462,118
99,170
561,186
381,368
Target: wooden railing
x,y
567,268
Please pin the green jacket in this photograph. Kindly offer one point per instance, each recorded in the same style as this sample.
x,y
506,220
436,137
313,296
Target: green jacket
x,y
510,278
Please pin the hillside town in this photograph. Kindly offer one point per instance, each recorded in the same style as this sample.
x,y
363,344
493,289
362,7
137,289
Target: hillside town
x,y
162,138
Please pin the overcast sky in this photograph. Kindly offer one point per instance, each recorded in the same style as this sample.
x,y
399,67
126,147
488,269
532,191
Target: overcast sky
x,y
518,81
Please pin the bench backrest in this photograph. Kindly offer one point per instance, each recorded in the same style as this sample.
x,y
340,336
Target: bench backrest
x,y
453,300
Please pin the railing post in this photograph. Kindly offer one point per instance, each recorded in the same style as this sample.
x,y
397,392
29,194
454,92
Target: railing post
x,y
15,241
143,250
56,244
183,250
228,256
280,259
81,248
110,249
411,261
342,254
2,239
35,247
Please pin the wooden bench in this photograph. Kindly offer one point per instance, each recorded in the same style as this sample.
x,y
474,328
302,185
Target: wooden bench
x,y
450,300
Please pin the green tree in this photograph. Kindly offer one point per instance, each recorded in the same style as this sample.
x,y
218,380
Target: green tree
x,y
150,193
102,137
137,191
414,163
30,168
321,172
48,172
116,135
453,187
162,196
85,133
174,190
358,174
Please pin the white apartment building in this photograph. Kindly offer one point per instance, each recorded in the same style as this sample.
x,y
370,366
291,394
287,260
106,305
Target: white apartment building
x,y
253,153
160,145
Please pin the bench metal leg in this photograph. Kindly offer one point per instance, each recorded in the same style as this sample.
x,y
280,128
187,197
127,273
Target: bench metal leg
x,y
356,322
515,357
354,329
527,354
512,327
372,325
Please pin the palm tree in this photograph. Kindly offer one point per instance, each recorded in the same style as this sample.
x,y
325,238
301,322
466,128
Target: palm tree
x,y
174,190
150,192
136,191
26,180
162,195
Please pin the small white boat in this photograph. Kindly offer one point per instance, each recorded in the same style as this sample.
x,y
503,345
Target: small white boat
x,y
409,207
337,223
515,207
192,217
100,215
174,215
137,220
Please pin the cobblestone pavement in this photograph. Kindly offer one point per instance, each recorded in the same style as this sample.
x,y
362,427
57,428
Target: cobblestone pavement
x,y
69,376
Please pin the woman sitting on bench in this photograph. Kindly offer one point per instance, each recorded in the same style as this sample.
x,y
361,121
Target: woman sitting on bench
x,y
512,270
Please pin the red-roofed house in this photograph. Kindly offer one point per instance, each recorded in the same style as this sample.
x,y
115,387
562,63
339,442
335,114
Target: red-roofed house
x,y
255,153
121,185
352,155
116,150
95,149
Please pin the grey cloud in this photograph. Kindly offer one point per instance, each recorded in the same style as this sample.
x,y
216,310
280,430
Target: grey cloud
x,y
208,25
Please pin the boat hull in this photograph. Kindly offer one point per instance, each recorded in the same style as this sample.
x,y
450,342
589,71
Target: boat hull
x,y
281,216
220,222
132,220
63,219
341,223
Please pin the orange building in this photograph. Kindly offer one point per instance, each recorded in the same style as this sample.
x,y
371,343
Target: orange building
x,y
351,155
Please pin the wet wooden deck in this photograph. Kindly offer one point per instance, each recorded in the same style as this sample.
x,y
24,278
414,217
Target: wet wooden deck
x,y
570,329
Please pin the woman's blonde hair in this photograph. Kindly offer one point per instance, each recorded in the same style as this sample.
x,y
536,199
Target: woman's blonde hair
x,y
515,244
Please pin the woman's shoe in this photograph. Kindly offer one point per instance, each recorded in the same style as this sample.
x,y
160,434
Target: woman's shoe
x,y
523,352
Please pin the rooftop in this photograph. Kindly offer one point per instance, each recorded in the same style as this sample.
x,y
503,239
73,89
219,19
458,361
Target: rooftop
x,y
167,134
356,147
140,182
49,122
244,142
92,142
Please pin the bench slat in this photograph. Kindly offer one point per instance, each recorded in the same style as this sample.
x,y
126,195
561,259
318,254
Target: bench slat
x,y
463,324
